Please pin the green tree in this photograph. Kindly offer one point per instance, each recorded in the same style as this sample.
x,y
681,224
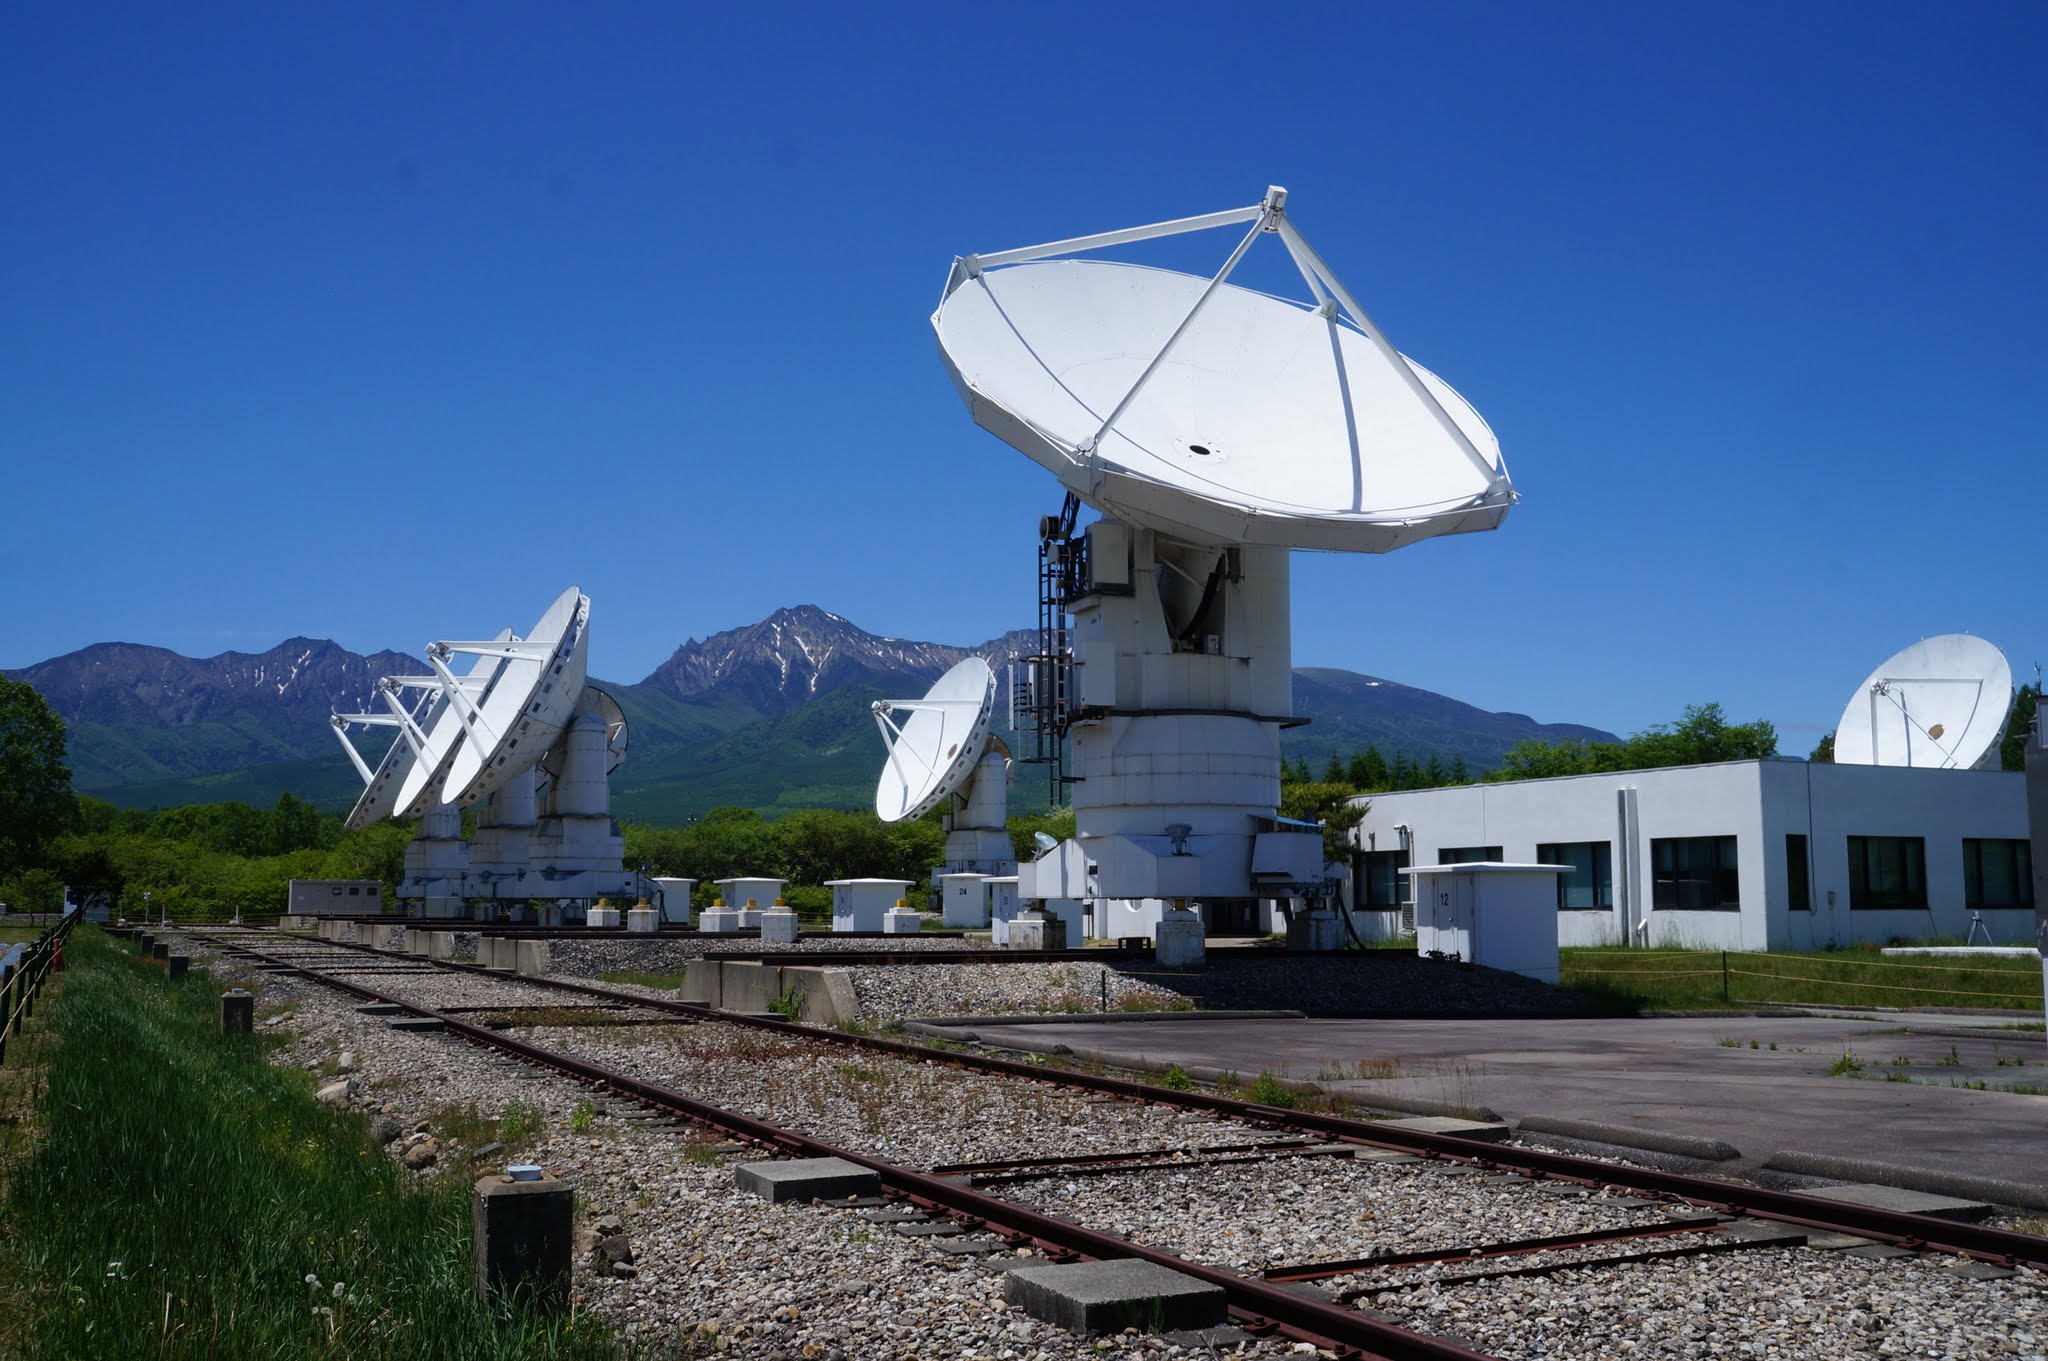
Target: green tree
x,y
1824,751
2012,752
1368,770
294,825
1702,734
35,785
1327,802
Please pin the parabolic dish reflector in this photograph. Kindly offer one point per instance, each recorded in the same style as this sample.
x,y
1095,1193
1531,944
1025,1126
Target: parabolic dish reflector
x,y
443,729
934,752
380,797
1941,704
527,706
1211,412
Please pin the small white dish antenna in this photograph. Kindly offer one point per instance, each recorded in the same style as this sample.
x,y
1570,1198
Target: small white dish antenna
x,y
1210,412
528,704
934,752
1941,704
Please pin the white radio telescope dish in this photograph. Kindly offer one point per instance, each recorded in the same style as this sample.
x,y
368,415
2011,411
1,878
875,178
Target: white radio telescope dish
x,y
934,752
434,739
1941,704
528,704
1210,412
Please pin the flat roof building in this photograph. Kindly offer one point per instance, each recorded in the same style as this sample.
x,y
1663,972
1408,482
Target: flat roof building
x,y
1739,855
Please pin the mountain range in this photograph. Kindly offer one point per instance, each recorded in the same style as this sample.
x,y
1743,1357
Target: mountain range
x,y
772,716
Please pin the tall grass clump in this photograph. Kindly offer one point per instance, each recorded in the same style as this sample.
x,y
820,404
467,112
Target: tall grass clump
x,y
190,1200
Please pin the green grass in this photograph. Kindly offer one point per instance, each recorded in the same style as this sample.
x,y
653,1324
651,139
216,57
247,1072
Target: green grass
x,y
191,1200
1693,979
19,935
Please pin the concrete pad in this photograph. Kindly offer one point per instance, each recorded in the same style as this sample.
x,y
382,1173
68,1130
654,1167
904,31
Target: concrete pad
x,y
968,1247
1489,1132
423,1025
1108,1297
1835,1242
1629,1136
806,1179
1978,1271
933,1228
1880,1252
380,1009
1764,1231
1908,1202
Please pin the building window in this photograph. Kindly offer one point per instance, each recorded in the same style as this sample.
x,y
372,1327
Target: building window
x,y
335,891
1467,855
1694,874
355,891
1590,885
1379,880
1997,873
1888,873
1798,885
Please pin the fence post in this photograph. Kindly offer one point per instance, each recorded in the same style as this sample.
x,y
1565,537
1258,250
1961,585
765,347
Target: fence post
x,y
1724,975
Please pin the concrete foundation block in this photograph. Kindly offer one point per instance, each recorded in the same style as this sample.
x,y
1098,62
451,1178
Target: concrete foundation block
x,y
602,918
237,1012
1317,932
1909,1202
1110,1296
643,921
160,950
440,945
717,921
803,1179
142,943
1485,1131
416,940
750,916
175,965
525,1235
1031,933
380,1009
420,1025
529,956
1178,942
901,921
778,927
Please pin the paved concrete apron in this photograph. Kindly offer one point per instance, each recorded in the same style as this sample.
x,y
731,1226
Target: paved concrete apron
x,y
1676,1076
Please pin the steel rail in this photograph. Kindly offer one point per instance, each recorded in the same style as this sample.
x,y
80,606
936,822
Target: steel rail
x,y
1261,1302
2000,1247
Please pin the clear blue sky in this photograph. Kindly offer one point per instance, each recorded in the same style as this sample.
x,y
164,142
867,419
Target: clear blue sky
x,y
385,322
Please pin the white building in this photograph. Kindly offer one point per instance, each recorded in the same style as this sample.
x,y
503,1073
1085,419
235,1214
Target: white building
x,y
1750,855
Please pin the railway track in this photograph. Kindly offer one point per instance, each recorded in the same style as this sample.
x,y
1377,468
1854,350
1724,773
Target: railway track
x,y
1719,1217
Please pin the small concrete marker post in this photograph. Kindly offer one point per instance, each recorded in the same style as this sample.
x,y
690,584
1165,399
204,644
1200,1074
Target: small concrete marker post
x,y
902,920
237,1012
802,1179
524,1222
160,950
1110,1296
175,965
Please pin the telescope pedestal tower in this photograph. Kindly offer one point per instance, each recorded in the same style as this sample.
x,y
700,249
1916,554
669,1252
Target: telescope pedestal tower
x,y
437,864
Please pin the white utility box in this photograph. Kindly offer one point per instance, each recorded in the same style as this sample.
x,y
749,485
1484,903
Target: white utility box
x,y
963,900
1499,915
860,904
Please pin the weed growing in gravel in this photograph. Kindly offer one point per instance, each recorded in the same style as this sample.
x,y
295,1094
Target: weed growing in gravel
x,y
1845,1065
702,1152
856,1025
582,1118
1729,1042
519,1122
1896,1076
1951,1059
1901,1061
1176,1079
789,1006
1268,1090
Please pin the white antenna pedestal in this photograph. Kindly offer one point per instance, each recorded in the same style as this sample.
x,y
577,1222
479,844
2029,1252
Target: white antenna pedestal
x,y
1182,682
436,865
